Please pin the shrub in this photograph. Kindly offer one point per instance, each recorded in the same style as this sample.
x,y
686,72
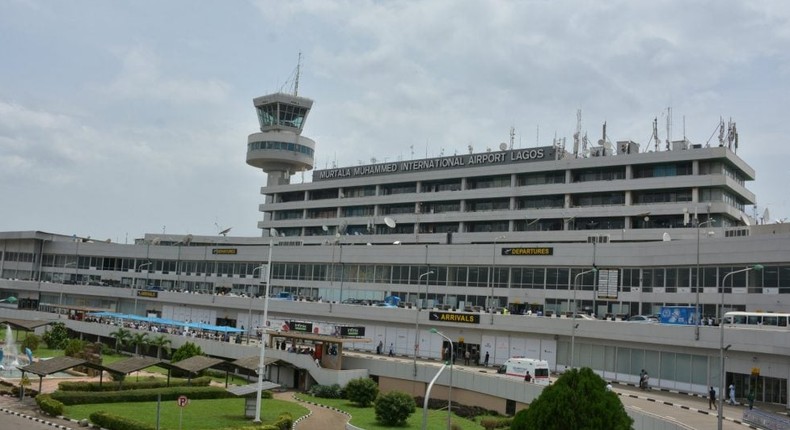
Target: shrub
x,y
132,385
519,420
327,391
49,405
362,391
31,341
74,348
394,408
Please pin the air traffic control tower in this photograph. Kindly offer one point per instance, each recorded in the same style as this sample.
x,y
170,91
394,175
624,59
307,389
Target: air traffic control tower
x,y
279,149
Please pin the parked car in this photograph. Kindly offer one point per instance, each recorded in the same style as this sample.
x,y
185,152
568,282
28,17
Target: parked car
x,y
643,319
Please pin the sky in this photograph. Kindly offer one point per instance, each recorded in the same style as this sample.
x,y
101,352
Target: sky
x,y
124,118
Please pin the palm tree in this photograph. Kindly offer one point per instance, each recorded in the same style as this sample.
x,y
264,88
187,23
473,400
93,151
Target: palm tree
x,y
122,337
137,340
161,342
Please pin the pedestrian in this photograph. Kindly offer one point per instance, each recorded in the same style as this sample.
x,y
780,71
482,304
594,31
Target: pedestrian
x,y
392,350
732,394
527,377
608,386
466,357
642,379
750,398
712,399
485,361
379,348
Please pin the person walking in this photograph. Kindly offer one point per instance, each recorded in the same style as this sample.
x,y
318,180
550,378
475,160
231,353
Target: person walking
x,y
379,347
732,394
485,362
527,377
392,350
712,399
466,357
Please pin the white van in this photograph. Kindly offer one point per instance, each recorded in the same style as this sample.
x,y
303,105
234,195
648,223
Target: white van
x,y
518,367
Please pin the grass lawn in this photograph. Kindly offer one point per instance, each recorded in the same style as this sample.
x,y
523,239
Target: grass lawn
x,y
366,417
198,415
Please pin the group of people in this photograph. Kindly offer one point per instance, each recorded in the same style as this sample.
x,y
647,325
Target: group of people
x,y
380,349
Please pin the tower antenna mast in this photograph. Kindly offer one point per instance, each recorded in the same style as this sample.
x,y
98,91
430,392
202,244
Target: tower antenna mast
x,y
298,71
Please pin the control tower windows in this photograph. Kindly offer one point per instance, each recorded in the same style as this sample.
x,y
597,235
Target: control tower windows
x,y
281,114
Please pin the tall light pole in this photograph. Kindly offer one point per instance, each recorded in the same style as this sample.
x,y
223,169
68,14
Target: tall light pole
x,y
249,315
492,276
450,385
573,318
697,309
261,363
417,317
756,267
428,396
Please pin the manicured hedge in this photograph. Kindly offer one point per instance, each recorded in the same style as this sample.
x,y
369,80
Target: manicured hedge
x,y
49,405
144,395
132,385
115,422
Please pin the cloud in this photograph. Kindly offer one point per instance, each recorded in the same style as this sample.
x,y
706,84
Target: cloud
x,y
140,78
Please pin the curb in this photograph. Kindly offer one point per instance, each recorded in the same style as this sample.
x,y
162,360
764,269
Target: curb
x,y
34,419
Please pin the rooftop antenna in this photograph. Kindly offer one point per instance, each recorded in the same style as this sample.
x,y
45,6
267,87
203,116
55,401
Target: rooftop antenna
x,y
512,136
225,232
721,132
577,136
669,127
654,138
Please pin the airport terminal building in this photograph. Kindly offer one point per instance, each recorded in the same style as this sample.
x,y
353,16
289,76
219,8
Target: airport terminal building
x,y
476,245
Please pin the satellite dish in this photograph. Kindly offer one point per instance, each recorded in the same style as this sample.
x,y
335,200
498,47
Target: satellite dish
x,y
273,232
343,227
397,242
226,231
156,241
503,146
390,222
324,228
665,237
188,239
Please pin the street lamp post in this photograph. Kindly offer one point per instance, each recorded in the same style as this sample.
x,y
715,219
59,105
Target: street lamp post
x,y
756,267
134,289
492,276
573,318
428,396
249,314
697,309
261,362
60,299
450,385
417,317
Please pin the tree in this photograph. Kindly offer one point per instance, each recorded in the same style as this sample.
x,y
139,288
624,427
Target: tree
x,y
186,350
362,391
161,342
577,400
137,340
394,408
57,336
122,337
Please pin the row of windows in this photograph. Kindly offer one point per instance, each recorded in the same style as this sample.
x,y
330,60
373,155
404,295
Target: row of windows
x,y
280,146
